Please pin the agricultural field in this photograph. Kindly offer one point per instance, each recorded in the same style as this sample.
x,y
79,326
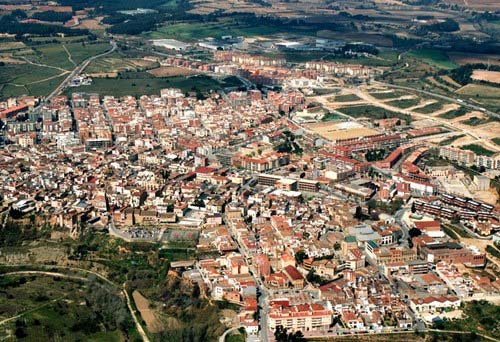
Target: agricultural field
x,y
433,57
171,71
11,45
462,58
192,31
486,75
22,79
116,63
66,56
142,83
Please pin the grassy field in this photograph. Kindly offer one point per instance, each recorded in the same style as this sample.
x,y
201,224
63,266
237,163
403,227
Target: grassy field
x,y
18,79
142,83
433,57
56,55
478,149
116,62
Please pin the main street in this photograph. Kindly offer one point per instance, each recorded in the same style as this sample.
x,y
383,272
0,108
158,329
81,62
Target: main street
x,y
263,303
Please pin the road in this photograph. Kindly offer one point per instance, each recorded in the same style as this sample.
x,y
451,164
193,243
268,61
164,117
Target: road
x,y
398,216
263,303
223,336
77,71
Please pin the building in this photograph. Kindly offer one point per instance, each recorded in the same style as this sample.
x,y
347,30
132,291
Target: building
x,y
171,44
303,317
482,182
455,154
453,253
432,304
294,277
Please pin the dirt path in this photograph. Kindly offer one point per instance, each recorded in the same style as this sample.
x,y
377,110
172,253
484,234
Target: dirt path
x,y
43,65
100,276
134,316
28,311
69,55
48,78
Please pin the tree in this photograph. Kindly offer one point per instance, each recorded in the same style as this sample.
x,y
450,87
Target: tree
x,y
300,256
414,232
359,213
281,335
413,208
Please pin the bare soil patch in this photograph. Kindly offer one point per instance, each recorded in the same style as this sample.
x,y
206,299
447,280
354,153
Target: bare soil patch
x,y
486,75
171,71
147,314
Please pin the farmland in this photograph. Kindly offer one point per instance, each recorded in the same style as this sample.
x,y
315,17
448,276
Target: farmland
x,y
142,83
433,57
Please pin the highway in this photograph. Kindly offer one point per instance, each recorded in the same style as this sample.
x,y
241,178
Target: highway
x,y
77,71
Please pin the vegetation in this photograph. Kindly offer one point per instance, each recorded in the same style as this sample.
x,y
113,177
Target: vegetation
x,y
455,113
478,149
406,103
281,335
373,112
388,95
430,108
346,98
493,251
463,74
450,140
332,117
433,57
475,121
10,24
52,16
481,316
142,83
375,155
50,309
